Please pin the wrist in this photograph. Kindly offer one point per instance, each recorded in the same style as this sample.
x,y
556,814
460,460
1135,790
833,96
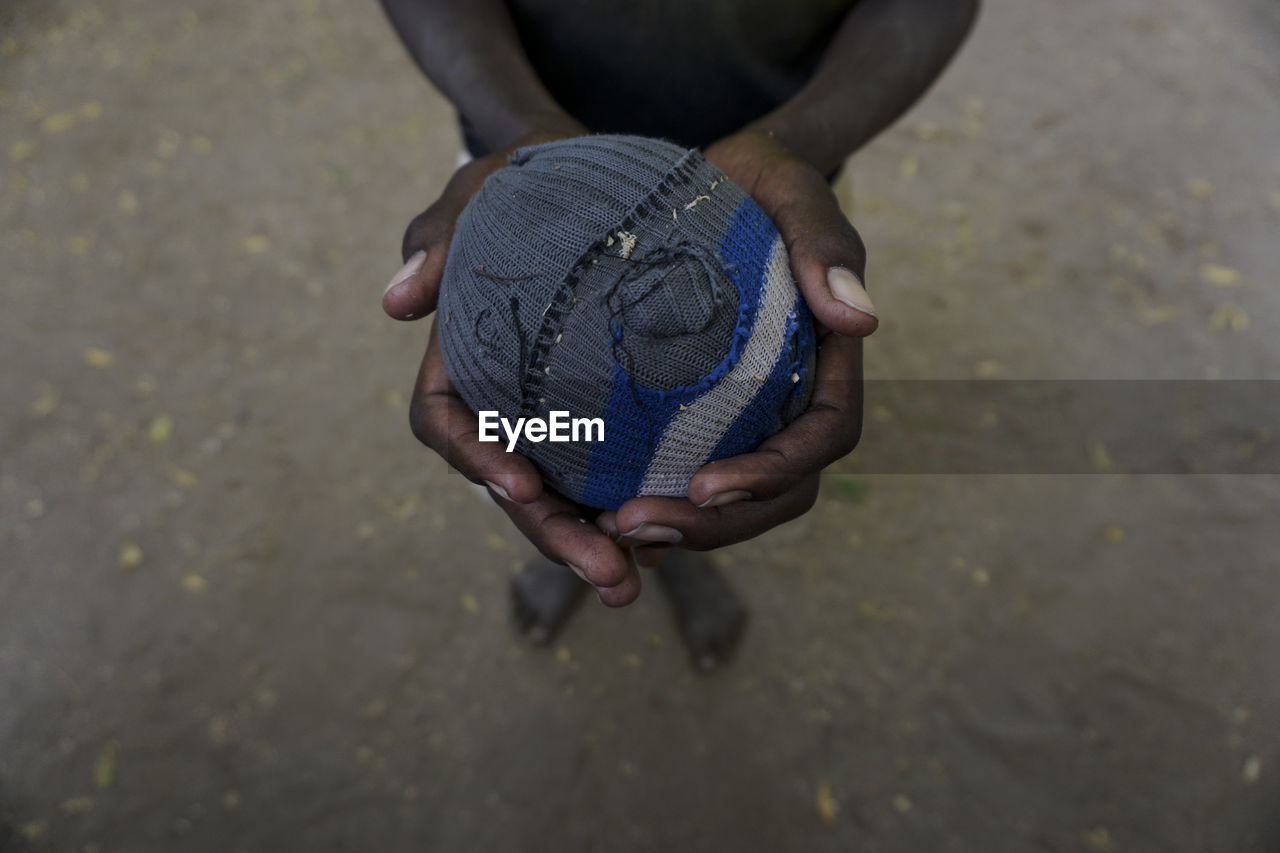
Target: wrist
x,y
530,128
790,133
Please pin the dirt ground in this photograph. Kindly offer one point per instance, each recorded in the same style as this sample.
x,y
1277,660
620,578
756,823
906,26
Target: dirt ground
x,y
242,610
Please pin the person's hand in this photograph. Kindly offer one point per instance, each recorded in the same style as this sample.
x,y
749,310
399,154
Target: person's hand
x,y
442,421
734,499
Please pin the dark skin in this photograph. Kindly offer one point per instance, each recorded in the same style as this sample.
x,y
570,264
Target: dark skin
x,y
884,56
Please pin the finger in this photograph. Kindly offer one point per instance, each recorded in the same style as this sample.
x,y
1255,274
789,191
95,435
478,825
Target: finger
x,y
442,421
713,527
648,553
650,556
828,430
414,290
556,529
828,258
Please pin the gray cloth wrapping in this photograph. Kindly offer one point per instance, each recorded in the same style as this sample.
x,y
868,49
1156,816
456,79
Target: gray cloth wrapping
x,y
627,279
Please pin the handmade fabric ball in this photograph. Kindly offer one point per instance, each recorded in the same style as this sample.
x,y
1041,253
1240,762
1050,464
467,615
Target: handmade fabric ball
x,y
628,280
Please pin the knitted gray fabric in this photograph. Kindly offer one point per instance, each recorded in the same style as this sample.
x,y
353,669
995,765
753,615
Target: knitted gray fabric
x,y
628,279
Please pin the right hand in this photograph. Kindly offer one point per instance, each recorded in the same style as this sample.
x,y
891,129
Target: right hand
x,y
443,421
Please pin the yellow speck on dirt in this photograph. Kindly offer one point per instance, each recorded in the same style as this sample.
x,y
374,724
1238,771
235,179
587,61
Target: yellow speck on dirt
x,y
231,800
182,478
160,430
980,577
825,804
988,368
908,168
1199,188
469,603
194,583
395,400
219,730
104,769
1229,316
902,804
99,358
1219,275
1113,533
58,122
563,655
1252,770
44,404
167,144
494,541
366,530
632,661
35,830
77,805
254,244
1099,838
21,149
882,613
90,110
1157,315
127,202
1099,457
130,556
201,145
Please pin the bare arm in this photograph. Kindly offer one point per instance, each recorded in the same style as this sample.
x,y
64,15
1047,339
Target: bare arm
x,y
470,50
883,58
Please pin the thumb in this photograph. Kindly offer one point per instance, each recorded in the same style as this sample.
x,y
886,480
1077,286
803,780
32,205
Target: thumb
x,y
406,296
414,290
827,256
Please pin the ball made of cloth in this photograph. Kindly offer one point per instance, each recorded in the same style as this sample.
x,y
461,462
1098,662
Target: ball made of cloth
x,y
626,279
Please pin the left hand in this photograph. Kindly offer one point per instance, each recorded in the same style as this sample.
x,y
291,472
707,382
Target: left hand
x,y
734,499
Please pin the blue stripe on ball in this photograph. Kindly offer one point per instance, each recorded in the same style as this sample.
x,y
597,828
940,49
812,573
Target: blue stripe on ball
x,y
636,418
763,417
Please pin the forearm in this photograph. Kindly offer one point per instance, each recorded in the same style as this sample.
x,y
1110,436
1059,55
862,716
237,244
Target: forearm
x,y
471,52
883,58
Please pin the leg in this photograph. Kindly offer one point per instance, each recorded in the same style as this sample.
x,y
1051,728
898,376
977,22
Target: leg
x,y
543,596
708,612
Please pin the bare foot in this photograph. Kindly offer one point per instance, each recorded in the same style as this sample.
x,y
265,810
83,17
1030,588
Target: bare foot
x,y
543,596
708,612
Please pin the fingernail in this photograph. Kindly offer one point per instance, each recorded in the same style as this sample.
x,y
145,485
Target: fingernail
x,y
411,266
725,498
846,287
498,490
654,533
579,572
